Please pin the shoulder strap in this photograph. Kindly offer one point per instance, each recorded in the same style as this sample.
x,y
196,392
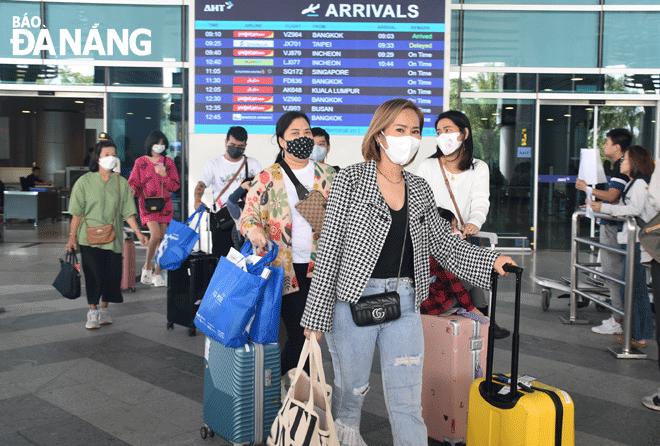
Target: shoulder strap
x,y
244,163
405,236
451,194
300,189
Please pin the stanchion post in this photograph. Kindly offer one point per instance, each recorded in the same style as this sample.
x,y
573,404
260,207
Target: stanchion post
x,y
574,260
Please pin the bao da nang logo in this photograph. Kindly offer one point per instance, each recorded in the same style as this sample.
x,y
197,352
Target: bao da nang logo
x,y
29,37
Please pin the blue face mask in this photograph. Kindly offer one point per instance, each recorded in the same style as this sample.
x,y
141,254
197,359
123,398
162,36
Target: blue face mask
x,y
318,153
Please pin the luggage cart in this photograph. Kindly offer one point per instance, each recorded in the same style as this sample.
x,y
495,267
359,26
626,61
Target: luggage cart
x,y
564,285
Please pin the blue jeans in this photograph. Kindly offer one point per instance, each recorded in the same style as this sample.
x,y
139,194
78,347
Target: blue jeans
x,y
401,346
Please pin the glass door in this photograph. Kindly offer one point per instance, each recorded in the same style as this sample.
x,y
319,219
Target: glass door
x,y
565,129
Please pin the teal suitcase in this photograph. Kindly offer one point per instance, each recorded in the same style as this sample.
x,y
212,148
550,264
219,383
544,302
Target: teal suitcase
x,y
241,391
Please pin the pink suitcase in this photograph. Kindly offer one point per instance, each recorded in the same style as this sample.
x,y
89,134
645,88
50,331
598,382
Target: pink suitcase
x,y
454,356
128,266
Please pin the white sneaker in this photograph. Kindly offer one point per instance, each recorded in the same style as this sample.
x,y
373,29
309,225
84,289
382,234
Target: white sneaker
x,y
609,326
104,316
652,401
147,277
158,281
92,319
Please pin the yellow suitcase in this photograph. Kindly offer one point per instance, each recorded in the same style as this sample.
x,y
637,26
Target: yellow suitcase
x,y
535,415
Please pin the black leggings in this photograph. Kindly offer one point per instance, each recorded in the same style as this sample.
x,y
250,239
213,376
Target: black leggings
x,y
102,270
655,283
293,306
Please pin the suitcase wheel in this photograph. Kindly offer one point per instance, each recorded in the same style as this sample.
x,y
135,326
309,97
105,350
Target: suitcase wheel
x,y
206,432
170,325
545,299
192,331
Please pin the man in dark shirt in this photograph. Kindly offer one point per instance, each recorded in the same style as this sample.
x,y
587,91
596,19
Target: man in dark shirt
x,y
34,179
618,140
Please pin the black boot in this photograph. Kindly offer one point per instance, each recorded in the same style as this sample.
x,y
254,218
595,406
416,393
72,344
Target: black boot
x,y
498,332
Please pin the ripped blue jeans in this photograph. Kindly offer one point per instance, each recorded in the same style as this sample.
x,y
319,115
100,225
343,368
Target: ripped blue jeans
x,y
401,346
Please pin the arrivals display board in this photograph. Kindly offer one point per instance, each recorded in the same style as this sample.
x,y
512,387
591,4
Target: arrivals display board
x,y
257,59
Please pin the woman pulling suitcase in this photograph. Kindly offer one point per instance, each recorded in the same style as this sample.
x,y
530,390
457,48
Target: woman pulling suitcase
x,y
381,226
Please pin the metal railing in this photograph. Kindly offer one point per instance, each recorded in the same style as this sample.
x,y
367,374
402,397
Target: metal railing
x,y
626,351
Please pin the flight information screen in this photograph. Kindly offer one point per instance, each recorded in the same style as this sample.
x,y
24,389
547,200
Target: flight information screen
x,y
258,59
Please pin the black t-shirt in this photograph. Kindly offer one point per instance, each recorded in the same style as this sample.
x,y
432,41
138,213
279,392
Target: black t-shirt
x,y
390,256
618,181
32,179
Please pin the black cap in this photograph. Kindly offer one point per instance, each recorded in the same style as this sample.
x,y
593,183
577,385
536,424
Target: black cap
x,y
104,137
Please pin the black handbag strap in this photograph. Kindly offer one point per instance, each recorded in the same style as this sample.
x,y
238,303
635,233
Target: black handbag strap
x,y
405,236
300,189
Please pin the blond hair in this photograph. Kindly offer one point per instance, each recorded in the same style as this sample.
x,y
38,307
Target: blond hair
x,y
384,116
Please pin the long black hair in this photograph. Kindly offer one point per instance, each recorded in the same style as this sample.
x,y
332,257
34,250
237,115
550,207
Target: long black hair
x,y
94,158
154,138
282,125
467,148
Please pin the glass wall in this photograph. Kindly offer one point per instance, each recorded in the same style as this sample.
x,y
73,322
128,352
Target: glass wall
x,y
503,134
530,38
630,39
131,117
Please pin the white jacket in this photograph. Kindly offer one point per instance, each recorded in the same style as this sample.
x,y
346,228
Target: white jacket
x,y
635,203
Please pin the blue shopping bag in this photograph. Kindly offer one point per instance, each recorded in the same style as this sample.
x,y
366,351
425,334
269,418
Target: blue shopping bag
x,y
265,327
178,242
230,301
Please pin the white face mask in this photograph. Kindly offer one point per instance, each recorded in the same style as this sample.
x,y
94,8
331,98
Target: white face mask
x,y
158,148
318,153
401,149
449,143
108,162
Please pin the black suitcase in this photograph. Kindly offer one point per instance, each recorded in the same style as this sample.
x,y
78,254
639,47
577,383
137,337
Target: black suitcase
x,y
186,287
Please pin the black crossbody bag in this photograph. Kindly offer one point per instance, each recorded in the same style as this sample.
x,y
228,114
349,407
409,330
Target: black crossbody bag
x,y
382,307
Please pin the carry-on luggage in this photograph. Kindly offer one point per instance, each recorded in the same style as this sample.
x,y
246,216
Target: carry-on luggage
x,y
241,391
454,356
186,287
128,264
532,415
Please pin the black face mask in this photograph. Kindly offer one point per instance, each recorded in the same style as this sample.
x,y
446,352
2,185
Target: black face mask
x,y
301,147
235,152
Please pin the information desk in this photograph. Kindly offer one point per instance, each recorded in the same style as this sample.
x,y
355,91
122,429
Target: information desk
x,y
31,205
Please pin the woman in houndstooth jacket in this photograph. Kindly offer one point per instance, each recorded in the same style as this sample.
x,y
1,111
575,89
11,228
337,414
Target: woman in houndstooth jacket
x,y
360,252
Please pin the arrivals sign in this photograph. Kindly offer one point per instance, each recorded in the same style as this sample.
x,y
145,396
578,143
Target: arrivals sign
x,y
257,59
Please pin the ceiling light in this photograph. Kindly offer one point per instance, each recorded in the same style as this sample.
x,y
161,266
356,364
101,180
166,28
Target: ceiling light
x,y
80,102
548,89
653,121
649,91
147,117
577,79
550,119
484,119
496,114
508,108
129,113
26,111
567,115
589,109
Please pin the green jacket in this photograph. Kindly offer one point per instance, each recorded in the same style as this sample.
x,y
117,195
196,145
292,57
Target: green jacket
x,y
96,201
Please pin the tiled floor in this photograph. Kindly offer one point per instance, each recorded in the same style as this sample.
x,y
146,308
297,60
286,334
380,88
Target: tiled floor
x,y
136,383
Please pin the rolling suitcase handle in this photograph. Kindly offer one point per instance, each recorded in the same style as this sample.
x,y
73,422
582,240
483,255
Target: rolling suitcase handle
x,y
515,337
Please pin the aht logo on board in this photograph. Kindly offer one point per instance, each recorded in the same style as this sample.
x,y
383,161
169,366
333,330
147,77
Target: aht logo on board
x,y
27,41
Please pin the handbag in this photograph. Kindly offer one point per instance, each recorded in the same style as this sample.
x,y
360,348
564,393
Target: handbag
x,y
305,418
381,307
178,242
265,327
222,219
67,281
154,205
100,235
230,301
649,237
311,204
